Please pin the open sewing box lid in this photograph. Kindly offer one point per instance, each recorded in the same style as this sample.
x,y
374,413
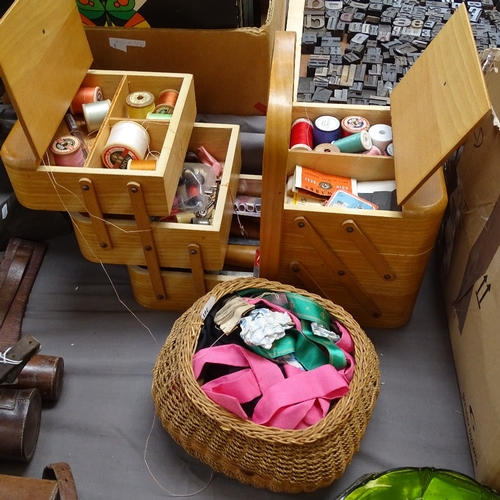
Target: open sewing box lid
x,y
437,104
44,57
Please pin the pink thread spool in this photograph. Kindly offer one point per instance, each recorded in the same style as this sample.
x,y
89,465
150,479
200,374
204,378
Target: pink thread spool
x,y
67,151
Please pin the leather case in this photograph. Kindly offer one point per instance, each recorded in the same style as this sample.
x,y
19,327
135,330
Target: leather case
x,y
20,415
42,372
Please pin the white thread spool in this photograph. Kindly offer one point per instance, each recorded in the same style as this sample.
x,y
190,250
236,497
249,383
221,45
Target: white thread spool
x,y
381,135
94,113
127,141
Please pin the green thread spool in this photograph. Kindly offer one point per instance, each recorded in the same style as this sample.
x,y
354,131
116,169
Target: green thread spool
x,y
355,143
158,116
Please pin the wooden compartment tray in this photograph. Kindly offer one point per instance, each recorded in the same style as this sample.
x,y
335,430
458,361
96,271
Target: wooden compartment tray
x,y
126,240
59,59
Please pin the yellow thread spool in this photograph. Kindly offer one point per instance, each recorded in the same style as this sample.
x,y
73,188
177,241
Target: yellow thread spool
x,y
139,104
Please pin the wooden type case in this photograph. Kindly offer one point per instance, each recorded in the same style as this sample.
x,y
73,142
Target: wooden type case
x,y
370,262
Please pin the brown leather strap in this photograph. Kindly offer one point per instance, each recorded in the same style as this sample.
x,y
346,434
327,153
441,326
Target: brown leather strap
x,y
61,472
18,270
13,276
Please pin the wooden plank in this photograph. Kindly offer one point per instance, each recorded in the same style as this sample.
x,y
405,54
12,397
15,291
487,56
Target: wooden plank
x,y
44,56
438,102
276,143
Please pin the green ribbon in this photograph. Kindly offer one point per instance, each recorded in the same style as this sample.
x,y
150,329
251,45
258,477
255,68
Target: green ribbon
x,y
310,350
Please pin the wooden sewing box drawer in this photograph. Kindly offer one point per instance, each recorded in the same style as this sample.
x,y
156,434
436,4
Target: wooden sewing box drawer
x,y
371,262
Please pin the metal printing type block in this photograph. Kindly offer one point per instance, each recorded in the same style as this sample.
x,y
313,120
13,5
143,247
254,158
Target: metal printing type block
x,y
376,69
314,22
321,95
356,48
339,96
359,17
360,6
339,29
351,58
335,5
360,73
305,85
359,38
331,24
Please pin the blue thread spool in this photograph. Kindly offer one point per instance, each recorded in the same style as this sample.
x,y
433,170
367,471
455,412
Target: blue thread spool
x,y
326,129
355,143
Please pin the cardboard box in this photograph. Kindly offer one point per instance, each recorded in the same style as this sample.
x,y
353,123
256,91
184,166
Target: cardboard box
x,y
469,243
231,67
371,262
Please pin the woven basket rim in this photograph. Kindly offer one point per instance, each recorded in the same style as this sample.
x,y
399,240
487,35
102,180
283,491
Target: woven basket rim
x,y
335,418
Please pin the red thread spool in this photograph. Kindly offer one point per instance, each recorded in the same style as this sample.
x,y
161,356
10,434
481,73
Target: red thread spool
x,y
302,134
166,101
67,151
85,95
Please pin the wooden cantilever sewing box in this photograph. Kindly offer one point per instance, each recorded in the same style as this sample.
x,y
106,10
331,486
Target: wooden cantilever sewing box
x,y
371,262
44,60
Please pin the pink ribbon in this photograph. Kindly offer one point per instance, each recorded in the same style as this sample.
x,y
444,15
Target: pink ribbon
x,y
296,401
207,159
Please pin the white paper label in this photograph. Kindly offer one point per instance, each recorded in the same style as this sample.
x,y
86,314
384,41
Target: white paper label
x,y
123,43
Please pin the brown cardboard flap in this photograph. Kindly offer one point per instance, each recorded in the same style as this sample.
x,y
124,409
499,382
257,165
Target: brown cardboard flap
x,y
44,56
435,106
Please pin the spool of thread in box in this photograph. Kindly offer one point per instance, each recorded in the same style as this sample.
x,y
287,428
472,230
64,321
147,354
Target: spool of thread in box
x,y
354,143
373,151
326,129
94,114
67,151
139,104
158,116
354,124
127,141
141,164
302,134
381,136
166,101
326,148
85,95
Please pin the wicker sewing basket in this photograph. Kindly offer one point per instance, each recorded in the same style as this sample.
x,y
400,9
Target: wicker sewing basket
x,y
266,457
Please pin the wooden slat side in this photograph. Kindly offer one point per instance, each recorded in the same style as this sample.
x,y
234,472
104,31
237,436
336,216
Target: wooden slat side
x,y
276,143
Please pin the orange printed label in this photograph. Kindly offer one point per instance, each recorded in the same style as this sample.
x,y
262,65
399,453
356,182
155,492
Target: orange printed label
x,y
322,184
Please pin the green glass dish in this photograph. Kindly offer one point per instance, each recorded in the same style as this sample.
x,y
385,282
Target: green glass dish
x,y
425,483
